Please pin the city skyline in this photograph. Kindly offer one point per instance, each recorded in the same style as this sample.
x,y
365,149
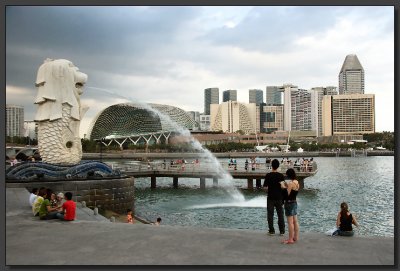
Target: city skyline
x,y
170,55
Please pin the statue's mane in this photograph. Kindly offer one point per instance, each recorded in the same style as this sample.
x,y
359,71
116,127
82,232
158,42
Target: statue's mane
x,y
56,86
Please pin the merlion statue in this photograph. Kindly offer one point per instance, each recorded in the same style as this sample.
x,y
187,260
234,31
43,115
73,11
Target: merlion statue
x,y
60,85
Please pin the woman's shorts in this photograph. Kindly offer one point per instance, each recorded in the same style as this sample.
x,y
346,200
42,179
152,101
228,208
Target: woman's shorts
x,y
290,208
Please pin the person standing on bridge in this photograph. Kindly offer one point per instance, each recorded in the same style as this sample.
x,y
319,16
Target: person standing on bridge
x,y
272,184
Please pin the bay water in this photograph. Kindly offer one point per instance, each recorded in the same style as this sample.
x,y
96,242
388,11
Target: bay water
x,y
365,183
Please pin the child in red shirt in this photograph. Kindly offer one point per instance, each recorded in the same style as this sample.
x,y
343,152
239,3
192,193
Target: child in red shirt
x,y
69,208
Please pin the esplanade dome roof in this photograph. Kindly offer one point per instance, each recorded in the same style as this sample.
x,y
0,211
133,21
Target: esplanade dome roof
x,y
130,119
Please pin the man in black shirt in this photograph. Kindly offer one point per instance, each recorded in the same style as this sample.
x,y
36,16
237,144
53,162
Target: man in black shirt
x,y
272,184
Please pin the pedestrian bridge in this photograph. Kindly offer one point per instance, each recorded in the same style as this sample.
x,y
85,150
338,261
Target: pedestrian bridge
x,y
209,170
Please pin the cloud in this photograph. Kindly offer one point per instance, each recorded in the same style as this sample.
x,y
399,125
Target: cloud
x,y
171,54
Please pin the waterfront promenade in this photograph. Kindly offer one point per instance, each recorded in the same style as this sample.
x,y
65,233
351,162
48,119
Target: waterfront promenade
x,y
93,240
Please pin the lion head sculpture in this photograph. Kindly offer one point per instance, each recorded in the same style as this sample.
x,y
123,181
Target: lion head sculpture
x,y
58,82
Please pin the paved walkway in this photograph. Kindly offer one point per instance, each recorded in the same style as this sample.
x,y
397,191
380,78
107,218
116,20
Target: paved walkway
x,y
93,240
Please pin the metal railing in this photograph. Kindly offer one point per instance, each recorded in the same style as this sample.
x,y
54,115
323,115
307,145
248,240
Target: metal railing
x,y
209,167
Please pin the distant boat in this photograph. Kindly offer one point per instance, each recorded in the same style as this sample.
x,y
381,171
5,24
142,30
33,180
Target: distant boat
x,y
300,149
380,148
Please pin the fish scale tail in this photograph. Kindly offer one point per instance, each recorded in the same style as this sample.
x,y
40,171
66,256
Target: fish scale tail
x,y
57,143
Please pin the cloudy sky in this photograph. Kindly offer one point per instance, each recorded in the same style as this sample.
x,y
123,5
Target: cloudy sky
x,y
169,55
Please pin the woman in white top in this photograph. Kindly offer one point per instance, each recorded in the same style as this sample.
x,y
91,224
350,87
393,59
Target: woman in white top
x,y
33,196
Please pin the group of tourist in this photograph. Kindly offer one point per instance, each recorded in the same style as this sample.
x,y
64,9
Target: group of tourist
x,y
12,161
301,164
281,196
253,163
48,205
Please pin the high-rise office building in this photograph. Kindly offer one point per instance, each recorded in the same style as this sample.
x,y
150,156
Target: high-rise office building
x,y
229,95
256,96
318,94
14,120
330,90
195,116
204,122
348,114
300,109
271,118
351,76
211,96
232,116
273,95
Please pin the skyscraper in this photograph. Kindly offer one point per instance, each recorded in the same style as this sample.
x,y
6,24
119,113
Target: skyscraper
x,y
211,96
351,76
273,95
233,116
271,118
348,114
195,116
319,93
14,120
300,109
330,90
256,96
229,95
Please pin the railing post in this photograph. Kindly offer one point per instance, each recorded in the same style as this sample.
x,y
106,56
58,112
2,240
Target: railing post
x,y
175,182
258,183
153,182
202,182
250,183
